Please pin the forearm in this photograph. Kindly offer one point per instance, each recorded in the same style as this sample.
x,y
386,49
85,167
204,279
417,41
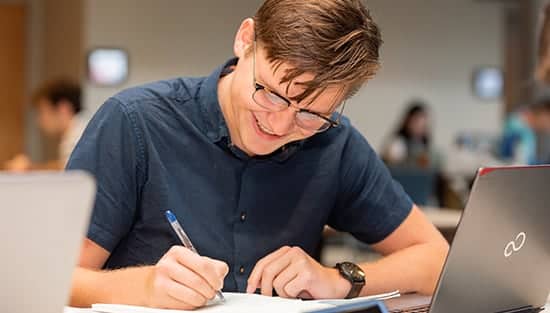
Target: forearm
x,y
414,269
52,165
125,286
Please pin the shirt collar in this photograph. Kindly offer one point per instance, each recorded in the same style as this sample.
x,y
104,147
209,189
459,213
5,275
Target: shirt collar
x,y
216,127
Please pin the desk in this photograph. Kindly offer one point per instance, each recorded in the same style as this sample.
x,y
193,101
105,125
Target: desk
x,y
442,218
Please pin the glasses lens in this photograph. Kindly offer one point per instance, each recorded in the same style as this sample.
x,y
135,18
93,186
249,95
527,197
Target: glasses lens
x,y
269,100
311,121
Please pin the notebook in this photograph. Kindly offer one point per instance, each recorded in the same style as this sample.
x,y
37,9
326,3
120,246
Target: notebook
x,y
244,303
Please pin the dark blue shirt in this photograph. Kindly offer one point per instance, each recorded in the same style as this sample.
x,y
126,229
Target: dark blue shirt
x,y
165,146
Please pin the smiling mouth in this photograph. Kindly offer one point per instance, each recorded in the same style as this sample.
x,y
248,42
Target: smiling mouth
x,y
264,129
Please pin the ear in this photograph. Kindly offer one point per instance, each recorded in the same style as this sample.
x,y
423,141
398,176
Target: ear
x,y
244,38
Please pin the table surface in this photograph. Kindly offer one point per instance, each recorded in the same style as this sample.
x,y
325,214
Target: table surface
x,y
405,297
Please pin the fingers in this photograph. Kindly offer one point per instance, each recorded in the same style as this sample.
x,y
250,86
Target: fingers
x,y
187,277
290,273
296,286
271,271
184,280
281,268
173,295
257,272
184,294
212,271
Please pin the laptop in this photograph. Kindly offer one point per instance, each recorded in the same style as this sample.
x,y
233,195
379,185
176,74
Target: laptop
x,y
499,260
43,219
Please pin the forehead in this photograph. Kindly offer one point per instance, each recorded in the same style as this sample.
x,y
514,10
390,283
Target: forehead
x,y
271,74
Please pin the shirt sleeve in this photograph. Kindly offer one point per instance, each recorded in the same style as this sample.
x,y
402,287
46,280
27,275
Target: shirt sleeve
x,y
110,149
370,205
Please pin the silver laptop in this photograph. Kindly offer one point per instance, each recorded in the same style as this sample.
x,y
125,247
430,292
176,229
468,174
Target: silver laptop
x,y
500,256
43,219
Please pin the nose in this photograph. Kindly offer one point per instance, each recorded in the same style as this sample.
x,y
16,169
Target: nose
x,y
282,122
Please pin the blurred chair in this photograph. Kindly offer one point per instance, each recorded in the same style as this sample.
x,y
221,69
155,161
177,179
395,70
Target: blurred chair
x,y
419,183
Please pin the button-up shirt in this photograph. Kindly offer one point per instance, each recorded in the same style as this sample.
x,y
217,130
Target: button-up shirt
x,y
166,146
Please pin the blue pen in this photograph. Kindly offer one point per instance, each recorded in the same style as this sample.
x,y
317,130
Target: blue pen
x,y
184,239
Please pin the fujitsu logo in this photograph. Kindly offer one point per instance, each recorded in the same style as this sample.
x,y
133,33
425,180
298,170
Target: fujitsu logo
x,y
515,245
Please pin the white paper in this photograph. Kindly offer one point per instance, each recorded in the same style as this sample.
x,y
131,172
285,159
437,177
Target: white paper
x,y
382,296
245,303
69,309
234,302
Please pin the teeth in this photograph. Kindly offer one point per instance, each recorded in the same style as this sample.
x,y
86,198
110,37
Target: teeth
x,y
263,128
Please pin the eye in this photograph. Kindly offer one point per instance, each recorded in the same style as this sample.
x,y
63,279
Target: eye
x,y
273,98
308,116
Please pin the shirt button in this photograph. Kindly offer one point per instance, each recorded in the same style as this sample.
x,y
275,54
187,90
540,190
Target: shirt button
x,y
243,216
241,270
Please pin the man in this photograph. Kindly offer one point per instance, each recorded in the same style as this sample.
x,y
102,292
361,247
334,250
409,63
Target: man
x,y
521,130
57,106
254,160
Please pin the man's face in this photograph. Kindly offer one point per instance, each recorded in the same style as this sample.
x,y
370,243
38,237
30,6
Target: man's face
x,y
259,131
49,118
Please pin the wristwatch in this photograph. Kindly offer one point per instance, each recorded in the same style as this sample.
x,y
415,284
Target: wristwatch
x,y
354,274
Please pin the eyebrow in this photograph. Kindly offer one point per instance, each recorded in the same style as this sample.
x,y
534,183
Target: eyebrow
x,y
273,90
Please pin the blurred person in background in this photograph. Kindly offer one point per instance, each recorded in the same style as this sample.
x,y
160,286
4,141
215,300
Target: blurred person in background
x,y
410,144
542,72
523,128
542,75
412,160
519,142
57,104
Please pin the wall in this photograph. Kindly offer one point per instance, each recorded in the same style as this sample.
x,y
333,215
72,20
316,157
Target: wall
x,y
54,49
430,50
176,38
13,18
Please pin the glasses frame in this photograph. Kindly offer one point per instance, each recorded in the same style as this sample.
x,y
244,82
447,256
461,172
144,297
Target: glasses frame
x,y
257,87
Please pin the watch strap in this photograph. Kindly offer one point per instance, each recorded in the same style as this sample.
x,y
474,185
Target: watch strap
x,y
355,290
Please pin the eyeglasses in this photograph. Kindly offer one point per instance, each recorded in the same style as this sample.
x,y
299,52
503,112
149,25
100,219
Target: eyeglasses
x,y
305,119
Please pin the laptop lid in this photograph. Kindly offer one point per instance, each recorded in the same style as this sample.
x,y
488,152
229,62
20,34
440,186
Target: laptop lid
x,y
43,219
500,257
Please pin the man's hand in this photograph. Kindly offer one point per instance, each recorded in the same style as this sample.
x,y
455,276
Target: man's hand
x,y
293,273
185,280
20,163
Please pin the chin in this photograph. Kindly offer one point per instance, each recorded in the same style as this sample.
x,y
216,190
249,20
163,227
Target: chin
x,y
256,148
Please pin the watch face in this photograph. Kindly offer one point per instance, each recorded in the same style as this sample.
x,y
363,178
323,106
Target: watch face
x,y
353,271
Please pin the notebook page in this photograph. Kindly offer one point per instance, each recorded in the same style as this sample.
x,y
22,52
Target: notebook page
x,y
244,303
382,296
235,302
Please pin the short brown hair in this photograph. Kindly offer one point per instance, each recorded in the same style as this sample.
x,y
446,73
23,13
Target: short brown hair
x,y
541,105
335,40
543,67
57,90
